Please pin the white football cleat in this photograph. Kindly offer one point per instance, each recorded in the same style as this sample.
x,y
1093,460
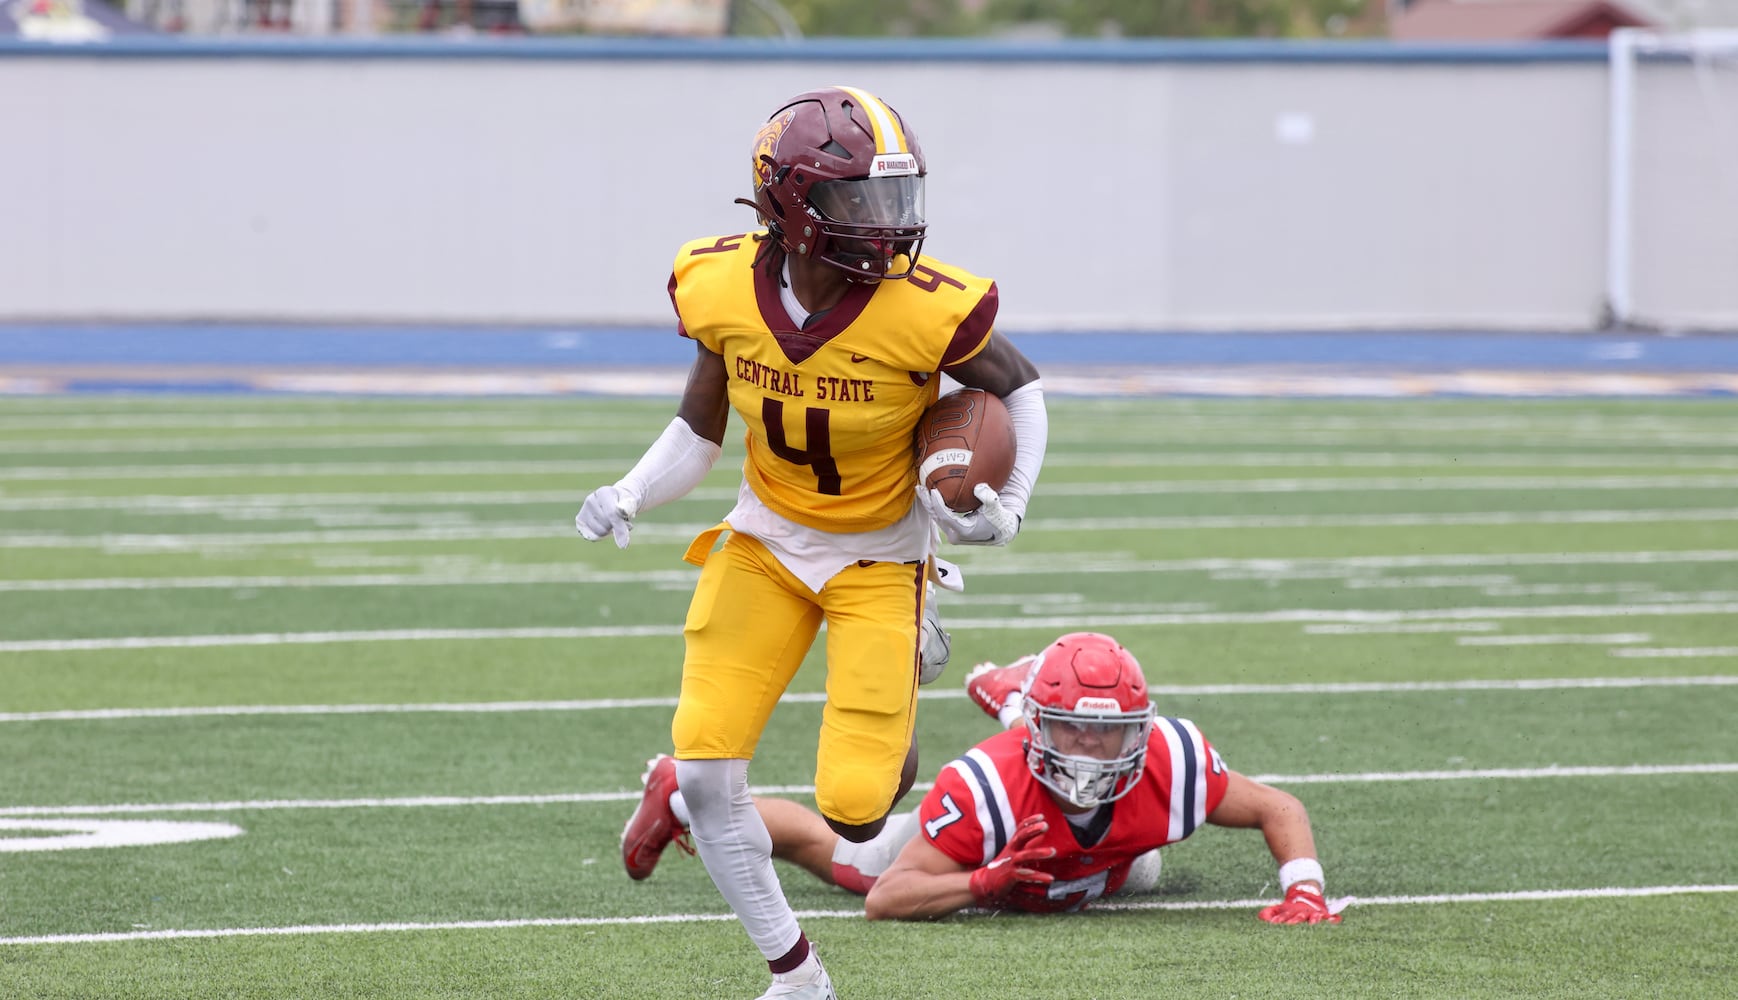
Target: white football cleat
x,y
808,981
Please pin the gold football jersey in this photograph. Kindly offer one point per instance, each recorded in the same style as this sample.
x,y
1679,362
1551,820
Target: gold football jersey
x,y
830,406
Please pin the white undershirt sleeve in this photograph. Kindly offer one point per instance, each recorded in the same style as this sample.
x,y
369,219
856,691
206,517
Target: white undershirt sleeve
x,y
1031,436
672,466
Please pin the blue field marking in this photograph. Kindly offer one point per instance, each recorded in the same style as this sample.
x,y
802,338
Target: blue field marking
x,y
650,360
407,347
287,345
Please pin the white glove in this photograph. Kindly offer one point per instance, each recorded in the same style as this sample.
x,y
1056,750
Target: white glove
x,y
607,511
990,524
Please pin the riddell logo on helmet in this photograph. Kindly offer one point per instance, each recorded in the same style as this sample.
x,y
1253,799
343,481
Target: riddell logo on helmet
x,y
1097,705
766,146
902,163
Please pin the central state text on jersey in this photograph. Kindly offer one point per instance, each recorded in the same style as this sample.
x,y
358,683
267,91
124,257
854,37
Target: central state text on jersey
x,y
827,387
769,378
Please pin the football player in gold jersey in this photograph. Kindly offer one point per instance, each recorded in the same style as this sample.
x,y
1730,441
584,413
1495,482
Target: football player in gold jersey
x,y
827,334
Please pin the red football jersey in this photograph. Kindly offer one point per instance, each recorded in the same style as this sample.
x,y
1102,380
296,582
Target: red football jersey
x,y
981,796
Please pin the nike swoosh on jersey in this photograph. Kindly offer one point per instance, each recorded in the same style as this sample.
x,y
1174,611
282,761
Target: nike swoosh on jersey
x,y
859,358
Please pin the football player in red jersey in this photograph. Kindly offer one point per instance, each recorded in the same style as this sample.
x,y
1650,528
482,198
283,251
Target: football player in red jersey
x,y
1069,805
826,334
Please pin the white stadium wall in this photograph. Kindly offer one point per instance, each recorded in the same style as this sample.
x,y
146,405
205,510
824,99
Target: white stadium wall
x,y
1157,186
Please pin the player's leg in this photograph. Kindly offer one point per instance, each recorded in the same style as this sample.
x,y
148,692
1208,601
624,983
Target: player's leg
x,y
865,760
999,690
857,866
799,836
747,631
798,833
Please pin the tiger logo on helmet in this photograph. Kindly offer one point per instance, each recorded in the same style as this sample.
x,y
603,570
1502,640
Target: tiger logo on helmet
x,y
766,146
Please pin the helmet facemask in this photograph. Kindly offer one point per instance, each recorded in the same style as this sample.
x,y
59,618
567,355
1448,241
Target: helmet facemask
x,y
1090,754
872,227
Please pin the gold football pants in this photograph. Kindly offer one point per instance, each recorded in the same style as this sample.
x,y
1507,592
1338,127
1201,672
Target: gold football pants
x,y
751,623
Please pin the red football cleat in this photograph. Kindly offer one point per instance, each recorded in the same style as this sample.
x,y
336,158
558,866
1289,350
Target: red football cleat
x,y
653,825
990,686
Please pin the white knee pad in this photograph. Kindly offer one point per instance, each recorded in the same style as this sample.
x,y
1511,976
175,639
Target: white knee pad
x,y
875,855
1143,874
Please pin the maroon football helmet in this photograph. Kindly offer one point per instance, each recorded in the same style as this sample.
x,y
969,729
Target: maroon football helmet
x,y
1087,719
838,178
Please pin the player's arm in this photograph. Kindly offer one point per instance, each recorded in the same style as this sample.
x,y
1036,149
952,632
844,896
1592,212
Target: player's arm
x,y
1283,821
920,884
675,463
1249,804
1000,368
705,405
924,882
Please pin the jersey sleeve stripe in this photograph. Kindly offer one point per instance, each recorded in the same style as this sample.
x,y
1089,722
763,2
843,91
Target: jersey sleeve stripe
x,y
1173,798
959,767
1188,779
1186,795
995,814
1198,782
973,332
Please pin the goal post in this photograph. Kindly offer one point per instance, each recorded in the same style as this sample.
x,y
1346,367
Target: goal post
x,y
1672,179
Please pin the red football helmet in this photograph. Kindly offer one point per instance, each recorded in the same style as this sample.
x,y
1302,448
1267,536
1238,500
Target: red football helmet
x,y
1087,719
838,177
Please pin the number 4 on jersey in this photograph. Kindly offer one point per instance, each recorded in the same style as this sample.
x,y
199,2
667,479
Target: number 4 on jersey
x,y
817,452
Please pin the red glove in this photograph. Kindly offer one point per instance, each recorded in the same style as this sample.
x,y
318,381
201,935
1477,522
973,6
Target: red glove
x,y
1303,905
997,882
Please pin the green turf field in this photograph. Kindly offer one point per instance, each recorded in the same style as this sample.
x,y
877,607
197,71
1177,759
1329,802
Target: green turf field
x,y
1490,644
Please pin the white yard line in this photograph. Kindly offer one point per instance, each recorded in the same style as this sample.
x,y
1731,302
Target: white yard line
x,y
202,503
323,638
566,573
303,930
1496,774
1073,622
796,697
1411,484
1389,520
1391,460
673,532
1677,652
1555,639
570,438
580,798
277,470
220,418
345,434
1512,896
1008,564
1066,459
1410,628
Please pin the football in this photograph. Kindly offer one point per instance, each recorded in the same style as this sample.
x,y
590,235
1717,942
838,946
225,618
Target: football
x,y
965,438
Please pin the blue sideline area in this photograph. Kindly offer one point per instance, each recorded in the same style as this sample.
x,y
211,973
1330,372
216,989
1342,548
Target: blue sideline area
x,y
287,358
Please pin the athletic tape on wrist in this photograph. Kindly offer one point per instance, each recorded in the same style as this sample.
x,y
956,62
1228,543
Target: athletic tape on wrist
x,y
1300,870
